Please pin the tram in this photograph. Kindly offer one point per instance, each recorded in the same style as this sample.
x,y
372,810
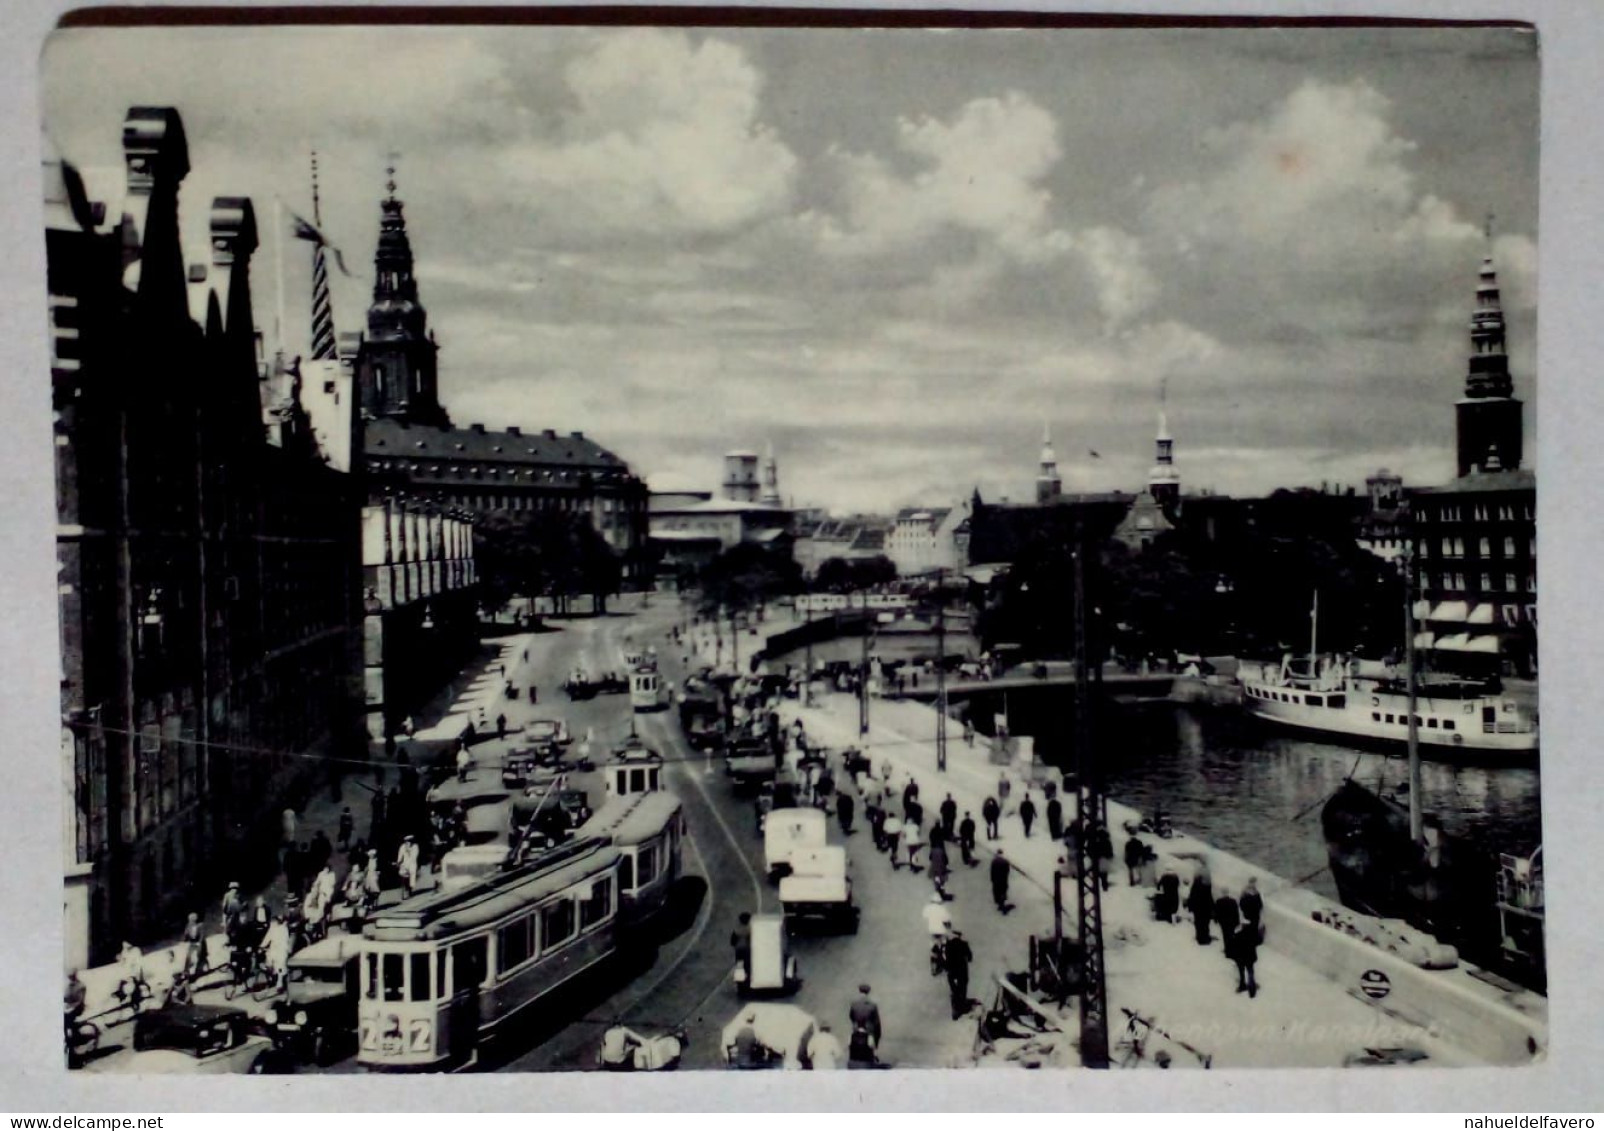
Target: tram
x,y
648,830
646,690
447,969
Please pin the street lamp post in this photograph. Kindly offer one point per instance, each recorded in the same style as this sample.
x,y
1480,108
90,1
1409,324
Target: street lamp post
x,y
941,670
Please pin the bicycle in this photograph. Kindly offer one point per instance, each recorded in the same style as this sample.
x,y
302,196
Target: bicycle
x,y
82,1039
1131,1049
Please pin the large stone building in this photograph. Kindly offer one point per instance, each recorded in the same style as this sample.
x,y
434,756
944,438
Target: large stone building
x,y
691,528
209,594
1475,538
411,451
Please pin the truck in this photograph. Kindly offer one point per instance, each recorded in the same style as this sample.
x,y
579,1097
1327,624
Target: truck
x,y
749,762
819,888
788,833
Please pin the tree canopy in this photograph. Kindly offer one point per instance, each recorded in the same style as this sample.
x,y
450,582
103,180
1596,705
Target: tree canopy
x,y
848,575
553,554
747,576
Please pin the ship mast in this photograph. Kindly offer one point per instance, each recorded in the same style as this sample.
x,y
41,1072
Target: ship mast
x,y
1416,824
1314,634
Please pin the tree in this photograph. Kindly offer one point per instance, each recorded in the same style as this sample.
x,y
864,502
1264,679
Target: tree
x,y
848,575
546,553
747,576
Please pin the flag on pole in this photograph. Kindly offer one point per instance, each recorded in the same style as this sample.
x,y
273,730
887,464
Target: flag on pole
x,y
306,230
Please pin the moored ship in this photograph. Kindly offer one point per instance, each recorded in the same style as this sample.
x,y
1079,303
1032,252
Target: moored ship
x,y
1454,718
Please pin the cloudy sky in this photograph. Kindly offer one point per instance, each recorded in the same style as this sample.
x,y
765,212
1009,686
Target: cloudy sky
x,y
895,255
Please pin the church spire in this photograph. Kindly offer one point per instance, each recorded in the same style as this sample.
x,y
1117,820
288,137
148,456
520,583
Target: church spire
x,y
1164,481
1049,484
1489,425
397,364
771,477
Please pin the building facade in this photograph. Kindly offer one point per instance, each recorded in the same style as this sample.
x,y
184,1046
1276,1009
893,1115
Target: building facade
x,y
411,451
923,539
1474,539
420,623
209,580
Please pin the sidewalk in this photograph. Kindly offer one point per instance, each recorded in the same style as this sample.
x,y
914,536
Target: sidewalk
x,y
475,695
1158,970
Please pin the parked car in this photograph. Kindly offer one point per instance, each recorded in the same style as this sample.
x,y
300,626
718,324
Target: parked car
x,y
191,1040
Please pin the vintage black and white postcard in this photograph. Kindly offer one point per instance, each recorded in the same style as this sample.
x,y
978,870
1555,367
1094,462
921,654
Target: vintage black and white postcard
x,y
710,544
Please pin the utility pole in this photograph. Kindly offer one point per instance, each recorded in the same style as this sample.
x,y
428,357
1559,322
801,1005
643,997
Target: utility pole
x,y
807,675
1417,830
1090,810
941,669
863,680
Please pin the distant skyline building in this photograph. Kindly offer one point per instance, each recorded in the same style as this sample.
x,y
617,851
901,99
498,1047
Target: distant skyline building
x,y
1049,484
741,477
1489,417
771,478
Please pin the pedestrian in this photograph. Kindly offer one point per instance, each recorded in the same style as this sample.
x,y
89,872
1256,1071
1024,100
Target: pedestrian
x,y
910,798
1103,852
938,836
915,812
958,957
233,906
1227,915
372,881
969,733
288,823
1200,902
406,862
877,827
347,827
913,837
824,1050
966,839
949,814
892,830
1004,788
1252,907
1135,853
741,941
295,870
864,1015
938,867
322,852
999,881
194,947
990,812
1167,903
938,922
501,726
843,812
1055,816
1244,948
1027,814
464,760
749,1051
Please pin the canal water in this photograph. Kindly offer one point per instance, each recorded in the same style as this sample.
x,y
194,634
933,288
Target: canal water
x,y
1243,785
1255,792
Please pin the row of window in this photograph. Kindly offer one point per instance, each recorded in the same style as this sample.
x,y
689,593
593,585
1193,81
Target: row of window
x,y
1455,547
482,471
1479,512
406,977
1430,723
1336,699
1463,583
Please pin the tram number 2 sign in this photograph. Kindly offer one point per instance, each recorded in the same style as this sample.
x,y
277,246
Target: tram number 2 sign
x,y
1375,984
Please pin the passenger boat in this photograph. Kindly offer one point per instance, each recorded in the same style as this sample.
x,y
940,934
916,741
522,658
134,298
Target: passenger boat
x,y
1394,861
1455,719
